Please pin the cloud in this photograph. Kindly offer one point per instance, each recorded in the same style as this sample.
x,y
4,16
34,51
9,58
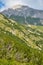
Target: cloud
x,y
37,4
8,3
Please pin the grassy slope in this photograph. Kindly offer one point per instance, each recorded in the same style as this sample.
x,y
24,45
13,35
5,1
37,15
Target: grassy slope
x,y
20,44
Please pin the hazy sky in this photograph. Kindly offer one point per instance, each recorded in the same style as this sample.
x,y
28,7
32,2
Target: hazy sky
x,y
37,4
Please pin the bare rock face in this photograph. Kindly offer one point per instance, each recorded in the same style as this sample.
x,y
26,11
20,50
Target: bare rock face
x,y
22,13
21,10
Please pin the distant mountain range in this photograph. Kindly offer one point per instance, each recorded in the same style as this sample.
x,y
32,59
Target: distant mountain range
x,y
24,14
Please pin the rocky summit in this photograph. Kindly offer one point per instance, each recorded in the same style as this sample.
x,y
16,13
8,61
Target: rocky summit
x,y
24,14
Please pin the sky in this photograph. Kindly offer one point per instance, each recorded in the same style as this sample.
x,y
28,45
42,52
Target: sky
x,y
36,4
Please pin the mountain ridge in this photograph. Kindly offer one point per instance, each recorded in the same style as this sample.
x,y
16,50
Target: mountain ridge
x,y
25,7
24,14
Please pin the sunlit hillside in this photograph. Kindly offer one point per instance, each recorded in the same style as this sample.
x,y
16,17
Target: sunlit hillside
x,y
20,44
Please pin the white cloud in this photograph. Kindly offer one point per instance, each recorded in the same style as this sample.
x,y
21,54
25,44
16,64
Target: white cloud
x,y
38,4
12,2
9,3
